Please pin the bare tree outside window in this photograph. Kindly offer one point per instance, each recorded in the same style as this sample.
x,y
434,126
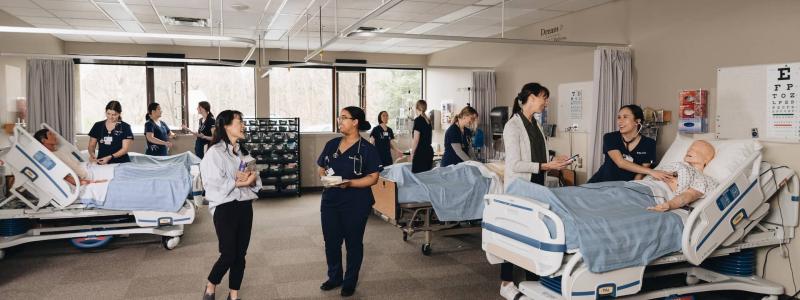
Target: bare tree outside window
x,y
394,91
223,88
306,93
102,83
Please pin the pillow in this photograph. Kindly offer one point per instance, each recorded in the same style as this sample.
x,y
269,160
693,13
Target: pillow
x,y
730,155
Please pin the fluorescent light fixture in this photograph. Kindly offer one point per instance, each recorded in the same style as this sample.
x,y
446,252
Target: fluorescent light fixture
x,y
494,40
274,34
16,29
424,28
131,26
460,14
124,58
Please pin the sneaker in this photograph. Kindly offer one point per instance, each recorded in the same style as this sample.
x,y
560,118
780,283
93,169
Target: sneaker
x,y
509,291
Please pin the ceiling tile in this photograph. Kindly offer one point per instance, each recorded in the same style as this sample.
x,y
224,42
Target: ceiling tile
x,y
184,4
66,5
531,4
39,21
295,6
27,12
283,22
359,4
533,17
576,5
241,20
463,2
413,7
352,13
92,23
137,2
72,14
18,3
153,27
408,17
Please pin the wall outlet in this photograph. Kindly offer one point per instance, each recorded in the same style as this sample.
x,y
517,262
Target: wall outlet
x,y
580,162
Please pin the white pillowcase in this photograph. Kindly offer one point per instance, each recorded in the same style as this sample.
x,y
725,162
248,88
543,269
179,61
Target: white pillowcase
x,y
730,155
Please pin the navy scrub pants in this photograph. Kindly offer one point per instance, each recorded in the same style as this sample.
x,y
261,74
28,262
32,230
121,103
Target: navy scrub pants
x,y
346,222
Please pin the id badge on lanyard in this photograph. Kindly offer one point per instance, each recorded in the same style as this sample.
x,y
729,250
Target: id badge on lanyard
x,y
108,140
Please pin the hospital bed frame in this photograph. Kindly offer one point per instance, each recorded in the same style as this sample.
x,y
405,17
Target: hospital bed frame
x,y
417,217
737,216
49,200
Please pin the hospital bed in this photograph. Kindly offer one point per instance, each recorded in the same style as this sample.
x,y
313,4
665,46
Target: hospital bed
x,y
418,215
719,235
43,206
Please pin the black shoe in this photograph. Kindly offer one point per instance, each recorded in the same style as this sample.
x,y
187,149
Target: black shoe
x,y
207,296
347,292
229,298
327,286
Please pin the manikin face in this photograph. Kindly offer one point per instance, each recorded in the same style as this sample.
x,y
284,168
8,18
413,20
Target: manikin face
x,y
700,152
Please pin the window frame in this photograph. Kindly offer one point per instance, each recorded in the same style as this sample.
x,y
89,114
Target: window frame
x,y
150,81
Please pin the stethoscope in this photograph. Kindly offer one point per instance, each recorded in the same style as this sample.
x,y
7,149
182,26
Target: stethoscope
x,y
357,159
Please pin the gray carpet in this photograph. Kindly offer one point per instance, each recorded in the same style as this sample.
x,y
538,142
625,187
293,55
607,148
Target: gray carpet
x,y
285,261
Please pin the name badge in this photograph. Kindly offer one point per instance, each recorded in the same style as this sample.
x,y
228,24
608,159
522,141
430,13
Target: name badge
x,y
329,171
627,157
107,140
385,134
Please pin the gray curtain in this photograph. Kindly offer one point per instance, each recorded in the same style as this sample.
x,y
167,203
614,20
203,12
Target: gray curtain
x,y
484,95
51,96
613,88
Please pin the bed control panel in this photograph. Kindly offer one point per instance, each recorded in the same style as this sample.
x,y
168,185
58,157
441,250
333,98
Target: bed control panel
x,y
727,197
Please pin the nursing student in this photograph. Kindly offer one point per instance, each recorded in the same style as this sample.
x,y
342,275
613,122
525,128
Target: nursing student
x,y
230,189
112,136
206,127
156,132
457,136
628,154
422,135
382,137
345,207
526,156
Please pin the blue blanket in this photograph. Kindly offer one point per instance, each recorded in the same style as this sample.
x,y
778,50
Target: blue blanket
x,y
455,192
186,159
162,187
609,222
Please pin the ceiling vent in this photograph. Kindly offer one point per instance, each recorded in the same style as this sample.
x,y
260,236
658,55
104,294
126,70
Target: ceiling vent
x,y
185,21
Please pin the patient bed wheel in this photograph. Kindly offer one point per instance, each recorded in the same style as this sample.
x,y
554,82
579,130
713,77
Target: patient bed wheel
x,y
405,236
170,242
426,249
692,280
91,242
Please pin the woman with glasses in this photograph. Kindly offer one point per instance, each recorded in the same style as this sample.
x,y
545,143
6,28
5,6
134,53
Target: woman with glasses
x,y
346,204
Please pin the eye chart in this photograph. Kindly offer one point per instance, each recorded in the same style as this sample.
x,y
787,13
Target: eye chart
x,y
783,116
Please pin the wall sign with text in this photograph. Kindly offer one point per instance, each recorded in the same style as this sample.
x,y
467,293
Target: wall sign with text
x,y
783,117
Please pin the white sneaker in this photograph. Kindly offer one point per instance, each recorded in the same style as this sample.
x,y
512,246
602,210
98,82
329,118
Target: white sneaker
x,y
508,291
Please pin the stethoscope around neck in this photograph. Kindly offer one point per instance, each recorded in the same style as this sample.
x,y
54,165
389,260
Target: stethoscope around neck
x,y
358,160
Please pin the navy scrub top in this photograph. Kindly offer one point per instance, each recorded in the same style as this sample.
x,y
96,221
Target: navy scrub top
x,y
644,153
343,165
205,128
383,143
110,142
451,136
161,132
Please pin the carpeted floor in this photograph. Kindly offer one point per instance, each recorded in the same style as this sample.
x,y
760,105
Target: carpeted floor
x,y
285,261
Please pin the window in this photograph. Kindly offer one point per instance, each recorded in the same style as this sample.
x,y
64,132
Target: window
x,y
168,85
99,84
394,91
349,89
223,88
306,93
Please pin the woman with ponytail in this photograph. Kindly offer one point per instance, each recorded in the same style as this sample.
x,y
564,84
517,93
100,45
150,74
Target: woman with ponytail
x,y
422,151
456,145
156,132
205,129
628,154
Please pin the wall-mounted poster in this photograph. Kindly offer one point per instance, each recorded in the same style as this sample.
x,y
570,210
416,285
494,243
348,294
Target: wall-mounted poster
x,y
783,118
693,111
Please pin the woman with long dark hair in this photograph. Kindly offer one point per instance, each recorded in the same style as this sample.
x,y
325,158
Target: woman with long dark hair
x,y
113,136
422,134
346,205
156,132
229,187
204,130
382,136
628,154
456,138
526,156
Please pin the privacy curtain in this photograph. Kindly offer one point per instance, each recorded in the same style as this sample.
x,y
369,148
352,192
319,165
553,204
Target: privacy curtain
x,y
51,96
613,88
484,93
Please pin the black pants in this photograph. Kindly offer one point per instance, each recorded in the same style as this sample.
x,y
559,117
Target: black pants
x,y
233,222
423,159
344,222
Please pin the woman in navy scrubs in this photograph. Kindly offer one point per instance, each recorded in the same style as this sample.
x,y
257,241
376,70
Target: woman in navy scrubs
x,y
628,154
456,138
205,129
113,135
345,207
156,132
422,153
382,137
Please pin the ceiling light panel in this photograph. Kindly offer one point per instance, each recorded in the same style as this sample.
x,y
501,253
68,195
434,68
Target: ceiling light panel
x,y
87,15
424,28
459,14
66,5
27,12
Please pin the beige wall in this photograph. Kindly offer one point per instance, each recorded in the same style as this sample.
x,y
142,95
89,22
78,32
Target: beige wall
x,y
676,45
